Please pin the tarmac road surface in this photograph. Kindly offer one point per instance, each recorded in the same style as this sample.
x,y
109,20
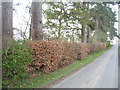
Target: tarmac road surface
x,y
101,73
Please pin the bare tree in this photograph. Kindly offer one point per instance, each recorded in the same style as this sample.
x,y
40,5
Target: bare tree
x,y
7,23
36,27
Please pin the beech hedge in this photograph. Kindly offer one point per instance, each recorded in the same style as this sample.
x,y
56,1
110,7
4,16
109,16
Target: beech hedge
x,y
48,56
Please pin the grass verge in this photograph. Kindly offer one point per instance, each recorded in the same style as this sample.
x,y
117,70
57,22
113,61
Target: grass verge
x,y
119,50
44,79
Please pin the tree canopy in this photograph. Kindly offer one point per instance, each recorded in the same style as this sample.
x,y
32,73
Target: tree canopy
x,y
82,20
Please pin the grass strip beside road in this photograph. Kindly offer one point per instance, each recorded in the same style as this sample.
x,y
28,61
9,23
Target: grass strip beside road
x,y
119,50
44,79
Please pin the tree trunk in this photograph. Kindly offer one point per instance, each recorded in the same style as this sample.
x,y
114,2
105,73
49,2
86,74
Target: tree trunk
x,y
88,36
7,23
0,26
1,41
73,39
83,32
30,32
37,33
59,30
119,22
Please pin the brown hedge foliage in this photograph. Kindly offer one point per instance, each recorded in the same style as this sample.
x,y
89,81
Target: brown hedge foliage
x,y
69,53
48,56
84,49
94,47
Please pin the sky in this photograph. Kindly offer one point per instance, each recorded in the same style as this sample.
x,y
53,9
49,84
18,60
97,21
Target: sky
x,y
21,16
115,8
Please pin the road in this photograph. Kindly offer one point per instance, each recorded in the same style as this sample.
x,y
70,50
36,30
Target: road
x,y
101,73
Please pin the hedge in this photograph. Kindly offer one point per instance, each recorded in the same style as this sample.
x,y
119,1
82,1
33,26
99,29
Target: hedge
x,y
48,56
13,60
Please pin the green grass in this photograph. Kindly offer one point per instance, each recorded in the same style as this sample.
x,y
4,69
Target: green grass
x,y
119,50
43,79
